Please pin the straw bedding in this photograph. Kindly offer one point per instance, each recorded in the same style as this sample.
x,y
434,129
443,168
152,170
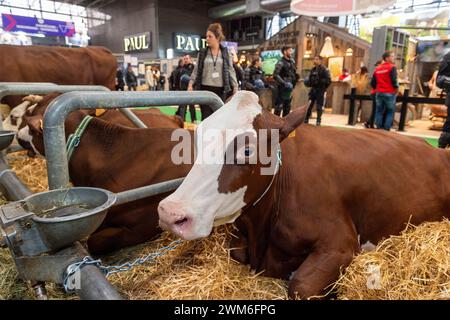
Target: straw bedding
x,y
413,265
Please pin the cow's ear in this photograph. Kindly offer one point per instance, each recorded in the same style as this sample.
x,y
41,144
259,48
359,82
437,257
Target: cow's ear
x,y
35,124
292,121
179,121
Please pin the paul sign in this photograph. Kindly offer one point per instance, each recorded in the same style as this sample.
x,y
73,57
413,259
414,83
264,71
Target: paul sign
x,y
184,42
138,42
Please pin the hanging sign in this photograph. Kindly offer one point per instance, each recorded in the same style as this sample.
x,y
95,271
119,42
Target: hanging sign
x,y
333,8
31,25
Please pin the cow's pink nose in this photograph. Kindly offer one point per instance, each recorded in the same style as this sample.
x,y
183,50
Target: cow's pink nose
x,y
171,215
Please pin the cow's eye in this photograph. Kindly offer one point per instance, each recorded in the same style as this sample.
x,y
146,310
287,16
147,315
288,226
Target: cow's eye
x,y
248,152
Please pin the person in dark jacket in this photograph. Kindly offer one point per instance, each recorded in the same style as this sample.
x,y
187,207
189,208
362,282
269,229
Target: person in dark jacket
x,y
319,80
174,79
131,79
254,78
385,83
120,84
286,78
214,71
185,77
239,74
444,83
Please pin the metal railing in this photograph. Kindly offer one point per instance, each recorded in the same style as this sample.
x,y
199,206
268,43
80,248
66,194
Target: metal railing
x,y
39,269
62,106
26,88
21,88
49,268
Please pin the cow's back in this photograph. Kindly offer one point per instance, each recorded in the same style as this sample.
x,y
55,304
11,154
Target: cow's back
x,y
380,179
64,66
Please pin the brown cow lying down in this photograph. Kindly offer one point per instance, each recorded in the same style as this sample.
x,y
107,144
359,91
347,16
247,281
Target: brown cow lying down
x,y
334,191
116,158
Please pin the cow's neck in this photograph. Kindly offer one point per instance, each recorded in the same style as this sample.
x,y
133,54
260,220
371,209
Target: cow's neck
x,y
95,150
258,219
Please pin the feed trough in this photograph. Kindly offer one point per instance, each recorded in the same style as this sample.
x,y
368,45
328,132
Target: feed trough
x,y
52,220
6,138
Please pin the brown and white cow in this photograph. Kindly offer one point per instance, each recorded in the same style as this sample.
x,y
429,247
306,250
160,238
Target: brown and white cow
x,y
14,119
332,191
116,158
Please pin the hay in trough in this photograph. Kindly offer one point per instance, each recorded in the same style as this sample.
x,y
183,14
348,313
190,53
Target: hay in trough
x,y
414,266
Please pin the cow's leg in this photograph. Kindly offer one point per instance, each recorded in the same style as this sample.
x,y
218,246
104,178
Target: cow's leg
x,y
319,270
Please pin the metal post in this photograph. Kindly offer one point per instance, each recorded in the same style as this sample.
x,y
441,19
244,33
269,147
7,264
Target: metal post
x,y
133,118
10,184
27,83
372,114
94,285
404,110
21,89
147,191
62,106
351,113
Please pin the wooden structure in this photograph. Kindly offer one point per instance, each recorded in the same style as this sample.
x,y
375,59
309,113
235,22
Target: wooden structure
x,y
307,36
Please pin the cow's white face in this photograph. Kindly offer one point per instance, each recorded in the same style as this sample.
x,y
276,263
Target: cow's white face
x,y
193,209
215,190
14,119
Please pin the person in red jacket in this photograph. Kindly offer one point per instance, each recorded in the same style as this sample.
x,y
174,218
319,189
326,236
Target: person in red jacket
x,y
385,83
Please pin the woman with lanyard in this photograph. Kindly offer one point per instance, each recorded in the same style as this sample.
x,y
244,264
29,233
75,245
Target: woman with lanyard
x,y
214,69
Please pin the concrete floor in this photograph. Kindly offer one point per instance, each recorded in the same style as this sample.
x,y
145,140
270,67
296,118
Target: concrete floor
x,y
418,128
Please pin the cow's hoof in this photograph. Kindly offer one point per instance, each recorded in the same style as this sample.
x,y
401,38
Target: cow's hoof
x,y
239,250
301,291
240,255
31,154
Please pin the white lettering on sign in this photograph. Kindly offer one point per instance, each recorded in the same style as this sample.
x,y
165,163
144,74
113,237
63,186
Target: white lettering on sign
x,y
138,42
188,42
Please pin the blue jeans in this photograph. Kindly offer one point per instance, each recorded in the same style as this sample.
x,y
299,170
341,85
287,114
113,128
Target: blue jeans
x,y
384,116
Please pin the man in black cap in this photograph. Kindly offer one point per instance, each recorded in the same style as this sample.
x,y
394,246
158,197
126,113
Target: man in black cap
x,y
286,78
319,79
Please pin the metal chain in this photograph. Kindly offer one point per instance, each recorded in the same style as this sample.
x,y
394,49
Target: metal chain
x,y
74,268
108,270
